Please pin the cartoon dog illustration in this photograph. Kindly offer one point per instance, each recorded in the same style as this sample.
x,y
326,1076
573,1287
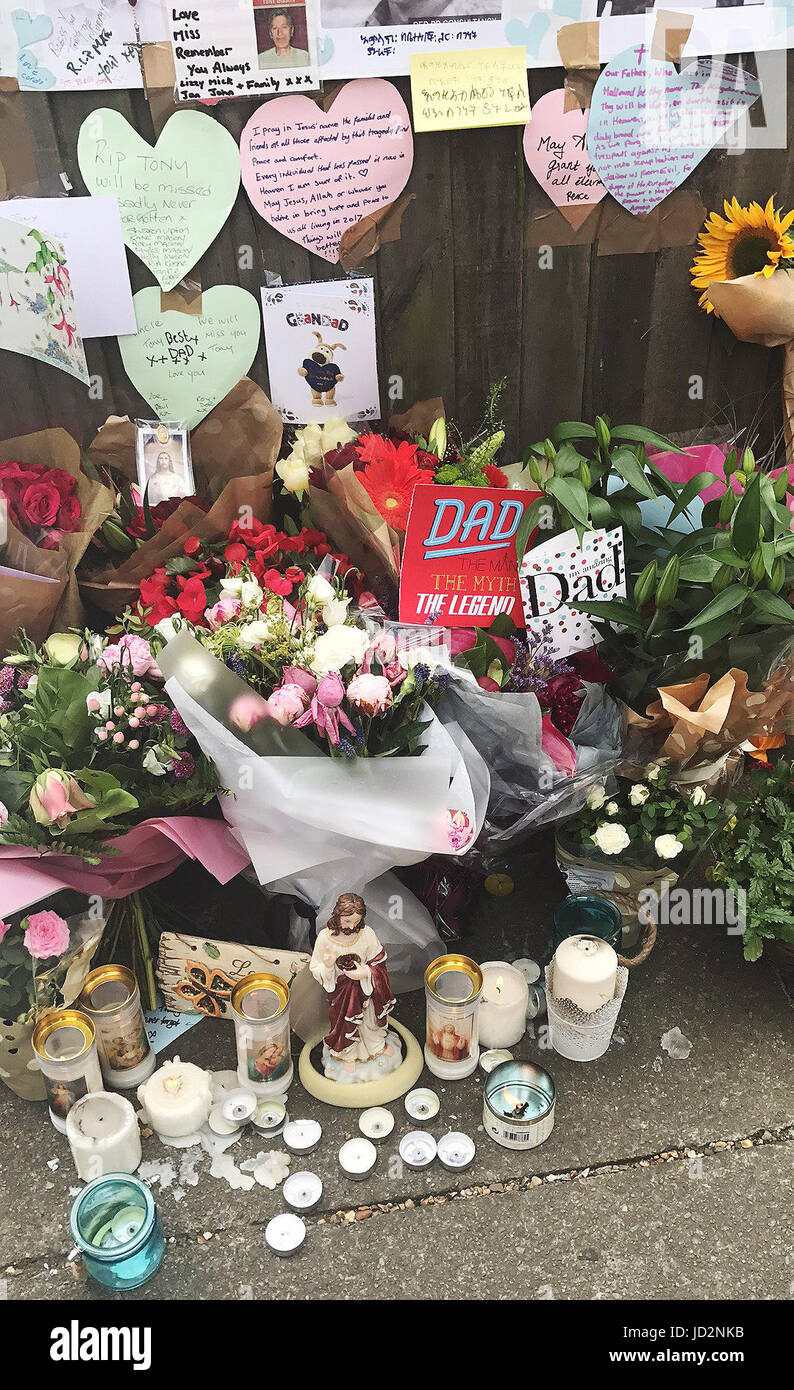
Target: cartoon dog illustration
x,y
321,372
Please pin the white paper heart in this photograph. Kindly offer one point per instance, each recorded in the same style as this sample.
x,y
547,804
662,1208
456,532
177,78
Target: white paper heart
x,y
173,197
312,174
183,364
650,126
556,151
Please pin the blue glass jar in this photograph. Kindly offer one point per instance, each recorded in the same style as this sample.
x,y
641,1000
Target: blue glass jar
x,y
588,915
116,1228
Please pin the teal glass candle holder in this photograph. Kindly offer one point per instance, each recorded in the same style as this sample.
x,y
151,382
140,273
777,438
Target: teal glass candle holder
x,y
588,915
116,1228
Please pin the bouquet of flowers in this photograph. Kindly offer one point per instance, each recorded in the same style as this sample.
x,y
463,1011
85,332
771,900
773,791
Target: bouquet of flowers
x,y
41,502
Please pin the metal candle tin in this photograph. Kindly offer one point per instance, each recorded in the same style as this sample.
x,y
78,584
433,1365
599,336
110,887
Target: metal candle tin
x,y
260,1005
518,1105
112,1000
453,986
64,1042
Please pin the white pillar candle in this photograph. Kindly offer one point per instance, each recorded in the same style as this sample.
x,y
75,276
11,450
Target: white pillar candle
x,y
503,1007
103,1135
585,971
177,1098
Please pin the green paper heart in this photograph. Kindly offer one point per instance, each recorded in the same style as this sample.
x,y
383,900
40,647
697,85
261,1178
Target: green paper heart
x,y
173,197
183,364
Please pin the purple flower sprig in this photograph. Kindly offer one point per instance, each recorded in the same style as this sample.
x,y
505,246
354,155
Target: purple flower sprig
x,y
534,668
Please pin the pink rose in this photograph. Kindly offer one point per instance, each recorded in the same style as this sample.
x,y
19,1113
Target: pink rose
x,y
5,928
3,813
224,611
131,654
247,710
331,690
46,935
55,797
385,648
287,703
371,694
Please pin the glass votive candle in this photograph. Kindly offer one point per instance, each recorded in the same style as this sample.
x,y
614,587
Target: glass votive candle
x,y
503,1007
357,1158
260,1006
112,1000
376,1124
115,1226
587,914
64,1041
518,1105
453,986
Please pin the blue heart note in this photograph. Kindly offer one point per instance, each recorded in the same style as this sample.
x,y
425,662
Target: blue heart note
x,y
530,35
325,49
30,28
30,74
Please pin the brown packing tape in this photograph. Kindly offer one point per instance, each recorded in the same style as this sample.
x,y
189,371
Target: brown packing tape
x,y
578,88
578,45
184,298
675,222
373,231
9,84
670,33
159,81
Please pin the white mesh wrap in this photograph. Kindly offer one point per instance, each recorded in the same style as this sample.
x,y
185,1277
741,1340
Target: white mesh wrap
x,y
579,1036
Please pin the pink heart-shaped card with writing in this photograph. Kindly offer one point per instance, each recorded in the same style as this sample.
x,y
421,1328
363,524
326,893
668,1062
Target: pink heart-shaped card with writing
x,y
556,151
312,174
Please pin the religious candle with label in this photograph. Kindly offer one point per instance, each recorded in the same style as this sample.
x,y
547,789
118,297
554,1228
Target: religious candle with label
x,y
260,1005
503,1007
453,986
64,1042
112,1000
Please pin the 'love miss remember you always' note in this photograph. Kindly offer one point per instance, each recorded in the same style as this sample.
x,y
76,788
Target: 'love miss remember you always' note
x,y
463,90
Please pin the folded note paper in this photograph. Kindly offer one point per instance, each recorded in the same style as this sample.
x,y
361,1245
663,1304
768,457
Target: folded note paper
x,y
555,149
37,309
174,198
184,364
650,126
469,88
313,174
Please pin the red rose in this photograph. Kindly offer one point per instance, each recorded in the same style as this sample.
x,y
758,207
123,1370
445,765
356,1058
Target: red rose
x,y
340,458
192,600
13,471
52,541
430,461
192,545
277,583
322,550
69,514
64,481
39,503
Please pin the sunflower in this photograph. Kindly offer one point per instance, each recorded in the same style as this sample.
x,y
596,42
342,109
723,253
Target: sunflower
x,y
746,241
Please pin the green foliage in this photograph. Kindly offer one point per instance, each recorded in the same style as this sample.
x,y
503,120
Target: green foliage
x,y
647,807
755,857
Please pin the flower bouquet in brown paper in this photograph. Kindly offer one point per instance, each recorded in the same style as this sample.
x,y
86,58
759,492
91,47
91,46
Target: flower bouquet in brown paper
x,y
49,511
234,450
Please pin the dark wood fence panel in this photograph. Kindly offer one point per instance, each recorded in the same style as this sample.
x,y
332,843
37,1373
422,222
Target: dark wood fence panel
x,y
461,298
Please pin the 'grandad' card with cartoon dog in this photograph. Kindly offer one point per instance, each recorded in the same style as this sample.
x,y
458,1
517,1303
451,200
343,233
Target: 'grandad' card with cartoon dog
x,y
321,353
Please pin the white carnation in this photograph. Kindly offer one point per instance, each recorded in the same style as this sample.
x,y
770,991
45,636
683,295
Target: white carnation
x,y
338,647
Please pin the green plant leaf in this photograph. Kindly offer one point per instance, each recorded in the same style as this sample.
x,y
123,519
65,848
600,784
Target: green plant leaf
x,y
570,429
613,610
690,491
640,435
626,463
571,495
720,604
699,569
772,607
747,519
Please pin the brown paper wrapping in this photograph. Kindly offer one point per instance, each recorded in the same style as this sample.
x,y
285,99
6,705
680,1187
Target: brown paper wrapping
x,y
39,607
675,222
373,231
761,310
670,34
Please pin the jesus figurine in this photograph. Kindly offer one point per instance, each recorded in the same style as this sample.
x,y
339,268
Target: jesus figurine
x,y
350,964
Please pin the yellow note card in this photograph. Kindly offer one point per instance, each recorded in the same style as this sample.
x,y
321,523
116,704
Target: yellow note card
x,y
478,87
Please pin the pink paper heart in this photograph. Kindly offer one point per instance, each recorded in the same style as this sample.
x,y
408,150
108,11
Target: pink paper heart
x,y
313,174
555,150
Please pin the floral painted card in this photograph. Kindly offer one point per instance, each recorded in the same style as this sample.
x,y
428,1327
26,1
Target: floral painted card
x,y
37,310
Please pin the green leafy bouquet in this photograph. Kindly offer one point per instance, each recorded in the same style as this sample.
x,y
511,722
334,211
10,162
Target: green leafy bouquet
x,y
755,857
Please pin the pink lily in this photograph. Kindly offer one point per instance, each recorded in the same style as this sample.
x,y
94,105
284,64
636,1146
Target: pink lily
x,y
561,752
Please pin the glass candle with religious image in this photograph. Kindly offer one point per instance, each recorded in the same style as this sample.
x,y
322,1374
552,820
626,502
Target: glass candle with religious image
x,y
112,1000
64,1042
260,1006
453,986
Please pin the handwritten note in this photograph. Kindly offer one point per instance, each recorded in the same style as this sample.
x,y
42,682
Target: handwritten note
x,y
37,309
312,175
56,46
556,152
173,197
183,364
650,126
459,91
225,49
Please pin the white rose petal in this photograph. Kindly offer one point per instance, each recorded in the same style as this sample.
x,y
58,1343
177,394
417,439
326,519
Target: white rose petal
x,y
294,471
231,586
611,839
667,846
251,594
652,772
596,798
639,794
335,611
319,591
254,634
698,796
612,808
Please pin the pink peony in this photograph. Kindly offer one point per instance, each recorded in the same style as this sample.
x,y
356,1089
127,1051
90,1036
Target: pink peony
x,y
133,655
287,703
298,675
385,648
46,935
371,694
224,611
3,813
247,710
331,690
5,928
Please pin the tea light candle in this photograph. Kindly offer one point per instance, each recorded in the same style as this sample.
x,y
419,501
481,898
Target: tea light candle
x,y
269,1118
456,1151
302,1191
285,1233
585,971
503,1009
357,1158
418,1149
238,1106
422,1105
177,1098
103,1135
219,1124
528,968
376,1124
302,1136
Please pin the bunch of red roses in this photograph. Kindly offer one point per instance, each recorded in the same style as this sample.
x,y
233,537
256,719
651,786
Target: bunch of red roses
x,y
40,502
189,584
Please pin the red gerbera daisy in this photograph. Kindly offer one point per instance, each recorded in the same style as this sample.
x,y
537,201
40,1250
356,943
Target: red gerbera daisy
x,y
390,477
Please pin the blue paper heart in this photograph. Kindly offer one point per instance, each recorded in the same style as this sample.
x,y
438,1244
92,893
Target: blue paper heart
x,y
30,75
529,35
325,49
31,28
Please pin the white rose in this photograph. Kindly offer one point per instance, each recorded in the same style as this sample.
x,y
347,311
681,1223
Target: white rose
x,y
319,591
652,772
596,798
232,586
431,657
254,634
667,846
294,471
639,794
309,443
698,796
337,647
611,839
31,685
612,808
335,611
103,699
251,594
152,763
335,433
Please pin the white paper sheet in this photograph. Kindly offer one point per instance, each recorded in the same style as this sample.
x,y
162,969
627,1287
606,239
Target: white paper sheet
x,y
334,321
90,229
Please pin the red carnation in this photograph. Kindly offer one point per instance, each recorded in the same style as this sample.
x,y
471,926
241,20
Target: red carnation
x,y
495,476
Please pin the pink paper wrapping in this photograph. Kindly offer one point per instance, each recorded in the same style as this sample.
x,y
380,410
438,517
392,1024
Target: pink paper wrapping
x,y
149,852
706,458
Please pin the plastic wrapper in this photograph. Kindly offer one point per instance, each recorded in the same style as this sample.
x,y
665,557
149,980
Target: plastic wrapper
x,y
316,826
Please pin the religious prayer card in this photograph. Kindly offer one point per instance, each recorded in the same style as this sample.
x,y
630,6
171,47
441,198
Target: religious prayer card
x,y
234,48
559,571
321,353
